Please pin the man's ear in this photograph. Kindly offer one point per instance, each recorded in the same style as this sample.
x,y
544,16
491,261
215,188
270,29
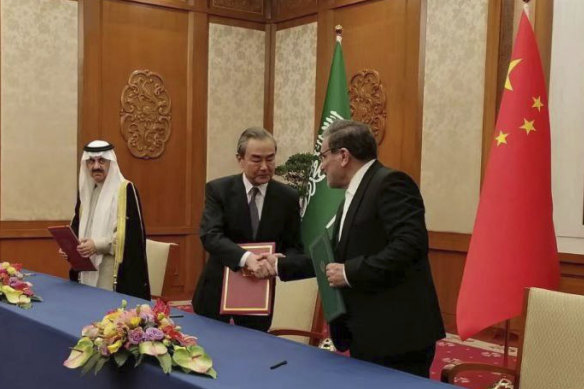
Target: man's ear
x,y
345,157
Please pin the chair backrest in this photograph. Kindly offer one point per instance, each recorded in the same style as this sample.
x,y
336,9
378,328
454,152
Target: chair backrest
x,y
552,355
294,306
157,257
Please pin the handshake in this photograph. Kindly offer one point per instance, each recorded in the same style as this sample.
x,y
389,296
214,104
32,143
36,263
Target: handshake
x,y
262,266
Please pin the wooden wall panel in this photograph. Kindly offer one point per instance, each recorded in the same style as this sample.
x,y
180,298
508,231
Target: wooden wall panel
x,y
156,39
37,254
289,9
255,10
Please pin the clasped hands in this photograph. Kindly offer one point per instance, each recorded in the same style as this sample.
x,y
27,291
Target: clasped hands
x,y
262,266
86,248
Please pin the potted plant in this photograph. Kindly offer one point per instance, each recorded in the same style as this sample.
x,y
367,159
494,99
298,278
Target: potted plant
x,y
296,172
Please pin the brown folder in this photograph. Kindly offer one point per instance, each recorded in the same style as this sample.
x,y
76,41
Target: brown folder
x,y
243,294
67,241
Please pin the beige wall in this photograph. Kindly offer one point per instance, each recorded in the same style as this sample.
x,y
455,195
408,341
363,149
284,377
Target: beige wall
x,y
566,97
294,80
39,109
236,93
453,112
294,89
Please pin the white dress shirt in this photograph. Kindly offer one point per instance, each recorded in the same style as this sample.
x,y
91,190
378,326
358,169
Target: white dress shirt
x,y
259,200
349,194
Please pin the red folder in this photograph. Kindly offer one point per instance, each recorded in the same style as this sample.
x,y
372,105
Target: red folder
x,y
67,241
243,294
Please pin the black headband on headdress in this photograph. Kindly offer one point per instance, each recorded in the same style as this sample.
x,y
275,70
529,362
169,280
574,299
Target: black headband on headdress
x,y
97,149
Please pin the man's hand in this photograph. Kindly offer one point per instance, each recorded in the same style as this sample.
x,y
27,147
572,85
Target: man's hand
x,y
335,275
273,260
259,266
62,254
86,247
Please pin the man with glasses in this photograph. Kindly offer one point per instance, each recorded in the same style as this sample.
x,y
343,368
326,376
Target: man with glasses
x,y
381,256
108,221
244,208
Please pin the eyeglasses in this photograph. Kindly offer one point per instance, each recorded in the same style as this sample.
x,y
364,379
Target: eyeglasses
x,y
322,154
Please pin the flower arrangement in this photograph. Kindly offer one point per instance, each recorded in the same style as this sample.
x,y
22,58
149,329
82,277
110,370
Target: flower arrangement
x,y
137,332
13,288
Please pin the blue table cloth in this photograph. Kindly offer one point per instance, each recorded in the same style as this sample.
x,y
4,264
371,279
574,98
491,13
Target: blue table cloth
x,y
34,343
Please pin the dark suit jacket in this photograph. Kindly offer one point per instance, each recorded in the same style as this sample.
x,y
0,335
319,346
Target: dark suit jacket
x,y
392,306
226,221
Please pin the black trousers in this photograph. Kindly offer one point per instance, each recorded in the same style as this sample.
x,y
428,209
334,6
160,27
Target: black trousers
x,y
414,362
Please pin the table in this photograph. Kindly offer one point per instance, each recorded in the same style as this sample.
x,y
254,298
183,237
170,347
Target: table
x,y
34,343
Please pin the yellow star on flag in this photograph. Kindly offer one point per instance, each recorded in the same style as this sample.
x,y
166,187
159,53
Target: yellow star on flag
x,y
512,64
528,126
537,103
501,138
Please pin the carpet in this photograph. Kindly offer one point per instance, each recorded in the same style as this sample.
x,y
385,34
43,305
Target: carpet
x,y
452,350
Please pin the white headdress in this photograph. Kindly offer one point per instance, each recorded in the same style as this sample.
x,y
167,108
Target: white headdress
x,y
105,214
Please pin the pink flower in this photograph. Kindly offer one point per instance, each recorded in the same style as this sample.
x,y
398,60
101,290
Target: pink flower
x,y
17,284
135,336
153,334
90,331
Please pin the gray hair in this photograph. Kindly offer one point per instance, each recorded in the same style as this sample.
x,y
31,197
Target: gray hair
x,y
258,133
354,136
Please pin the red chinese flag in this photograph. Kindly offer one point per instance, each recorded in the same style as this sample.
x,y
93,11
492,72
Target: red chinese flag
x,y
513,245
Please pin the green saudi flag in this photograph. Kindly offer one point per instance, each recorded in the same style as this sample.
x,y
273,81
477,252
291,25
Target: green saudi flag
x,y
322,202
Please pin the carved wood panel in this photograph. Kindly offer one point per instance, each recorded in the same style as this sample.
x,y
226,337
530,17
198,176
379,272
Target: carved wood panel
x,y
145,115
368,101
250,6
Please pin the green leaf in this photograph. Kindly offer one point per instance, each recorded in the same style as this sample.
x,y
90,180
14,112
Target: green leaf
x,y
165,362
192,358
153,348
212,373
36,298
90,363
100,362
121,357
80,354
134,351
139,360
25,306
195,350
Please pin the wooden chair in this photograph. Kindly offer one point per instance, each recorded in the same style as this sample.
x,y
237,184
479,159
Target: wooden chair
x,y
157,258
551,353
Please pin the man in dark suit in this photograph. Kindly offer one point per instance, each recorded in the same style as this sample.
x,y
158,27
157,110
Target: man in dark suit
x,y
381,253
248,207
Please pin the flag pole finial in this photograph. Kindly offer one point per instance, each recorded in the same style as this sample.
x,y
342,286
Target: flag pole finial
x,y
339,32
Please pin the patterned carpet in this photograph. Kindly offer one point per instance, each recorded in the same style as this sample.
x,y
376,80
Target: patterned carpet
x,y
450,350
453,350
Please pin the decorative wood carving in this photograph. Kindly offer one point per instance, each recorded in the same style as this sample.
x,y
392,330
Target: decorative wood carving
x,y
367,96
251,6
145,114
